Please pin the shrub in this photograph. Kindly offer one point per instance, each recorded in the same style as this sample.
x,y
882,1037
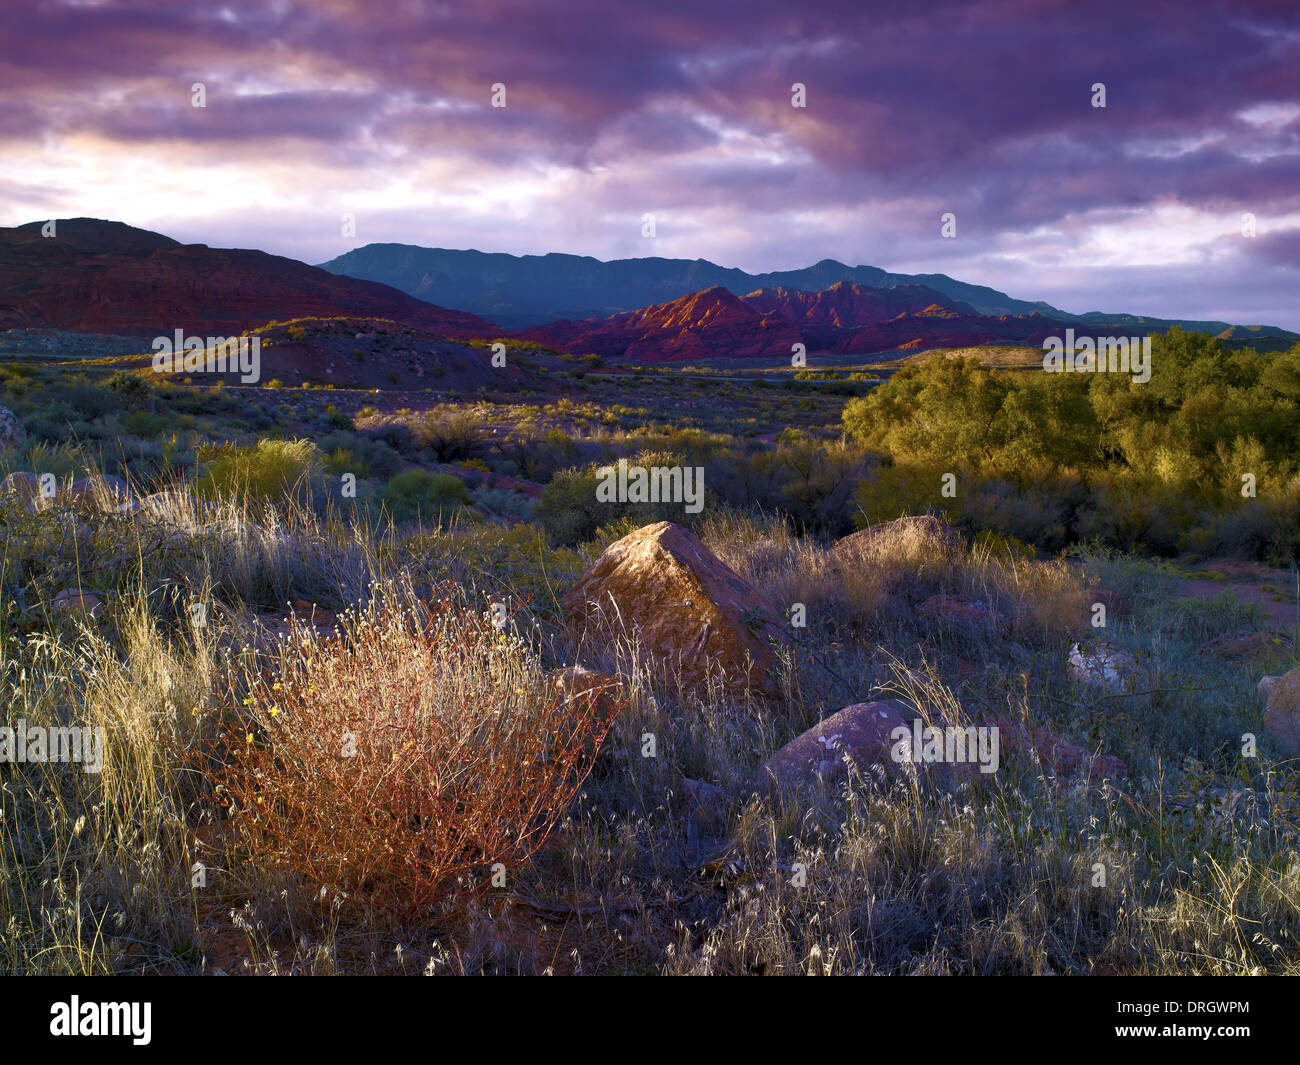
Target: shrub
x,y
416,495
568,509
393,435
87,400
131,388
450,434
396,764
902,489
571,513
1266,528
371,458
267,470
341,461
1040,517
145,423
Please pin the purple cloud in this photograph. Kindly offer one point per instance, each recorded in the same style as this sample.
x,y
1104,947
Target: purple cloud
x,y
684,110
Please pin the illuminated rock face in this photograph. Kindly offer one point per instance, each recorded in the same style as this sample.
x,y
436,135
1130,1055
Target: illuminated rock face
x,y
845,319
866,735
1282,709
920,533
687,610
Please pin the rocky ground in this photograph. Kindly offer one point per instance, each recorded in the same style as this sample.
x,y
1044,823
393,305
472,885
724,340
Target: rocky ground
x,y
58,343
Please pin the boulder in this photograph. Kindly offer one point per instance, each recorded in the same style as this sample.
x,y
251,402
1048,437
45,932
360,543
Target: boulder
x,y
705,815
1103,667
99,493
75,601
958,608
577,683
922,531
313,613
686,609
26,487
12,434
1282,709
862,733
1116,605
1062,757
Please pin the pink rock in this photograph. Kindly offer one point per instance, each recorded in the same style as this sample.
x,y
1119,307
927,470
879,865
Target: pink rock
x,y
955,607
73,600
1282,709
1064,758
862,732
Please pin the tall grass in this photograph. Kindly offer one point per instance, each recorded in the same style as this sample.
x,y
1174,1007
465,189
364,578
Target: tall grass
x,y
667,862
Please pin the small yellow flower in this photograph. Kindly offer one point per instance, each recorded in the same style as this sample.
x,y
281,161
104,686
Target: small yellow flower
x,y
274,710
249,737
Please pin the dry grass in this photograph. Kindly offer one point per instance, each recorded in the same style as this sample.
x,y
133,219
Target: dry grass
x,y
627,874
402,762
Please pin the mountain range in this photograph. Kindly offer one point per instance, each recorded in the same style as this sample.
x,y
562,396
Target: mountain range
x,y
520,291
95,276
845,319
517,291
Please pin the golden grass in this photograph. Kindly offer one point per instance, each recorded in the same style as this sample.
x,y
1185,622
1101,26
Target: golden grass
x,y
98,873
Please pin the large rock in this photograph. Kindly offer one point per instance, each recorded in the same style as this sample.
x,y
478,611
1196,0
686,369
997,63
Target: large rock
x,y
1282,709
580,686
922,531
75,601
26,486
687,610
99,493
960,610
1062,757
862,734
12,434
1103,667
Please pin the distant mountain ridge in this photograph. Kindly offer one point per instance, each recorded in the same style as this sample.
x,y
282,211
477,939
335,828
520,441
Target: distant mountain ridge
x,y
103,277
843,319
520,291
96,276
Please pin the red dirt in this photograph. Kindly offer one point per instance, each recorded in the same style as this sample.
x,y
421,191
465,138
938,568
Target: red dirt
x,y
1246,581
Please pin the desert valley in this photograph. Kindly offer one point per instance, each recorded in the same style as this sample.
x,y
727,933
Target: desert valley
x,y
516,492
917,663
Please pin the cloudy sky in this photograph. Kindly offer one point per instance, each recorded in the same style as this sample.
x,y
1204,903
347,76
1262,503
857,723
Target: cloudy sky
x,y
382,109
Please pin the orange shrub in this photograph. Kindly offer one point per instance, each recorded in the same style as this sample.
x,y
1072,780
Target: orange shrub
x,y
397,762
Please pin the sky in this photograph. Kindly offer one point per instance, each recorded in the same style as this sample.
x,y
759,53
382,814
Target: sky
x,y
383,111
